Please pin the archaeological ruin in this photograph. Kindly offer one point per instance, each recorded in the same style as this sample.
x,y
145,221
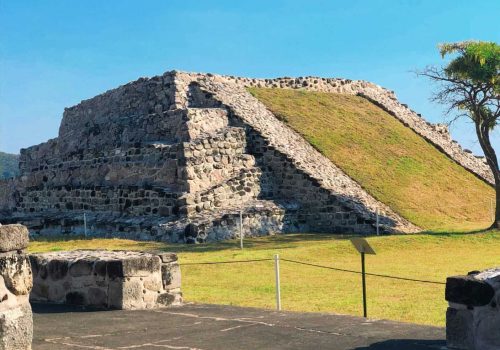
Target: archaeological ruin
x,y
124,280
473,315
179,157
16,324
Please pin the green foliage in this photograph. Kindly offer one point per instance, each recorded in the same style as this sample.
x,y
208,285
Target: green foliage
x,y
476,61
9,165
389,160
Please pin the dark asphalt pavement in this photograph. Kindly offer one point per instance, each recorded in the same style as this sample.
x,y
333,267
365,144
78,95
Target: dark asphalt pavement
x,y
211,327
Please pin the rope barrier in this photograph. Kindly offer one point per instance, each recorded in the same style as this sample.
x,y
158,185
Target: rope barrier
x,y
313,265
225,262
367,273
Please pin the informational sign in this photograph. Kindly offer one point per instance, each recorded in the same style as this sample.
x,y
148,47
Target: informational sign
x,y
362,245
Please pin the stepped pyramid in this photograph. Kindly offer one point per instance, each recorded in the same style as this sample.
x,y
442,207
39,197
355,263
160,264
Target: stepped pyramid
x,y
180,157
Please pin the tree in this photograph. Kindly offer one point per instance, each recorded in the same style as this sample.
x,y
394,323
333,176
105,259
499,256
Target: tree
x,y
470,84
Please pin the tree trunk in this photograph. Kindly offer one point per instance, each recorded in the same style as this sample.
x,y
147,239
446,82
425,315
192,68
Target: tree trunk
x,y
483,134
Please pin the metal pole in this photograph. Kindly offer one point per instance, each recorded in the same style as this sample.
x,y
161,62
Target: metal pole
x,y
378,230
241,229
84,225
277,273
364,283
492,207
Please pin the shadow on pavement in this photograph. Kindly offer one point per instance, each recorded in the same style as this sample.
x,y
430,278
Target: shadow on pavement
x,y
48,308
405,344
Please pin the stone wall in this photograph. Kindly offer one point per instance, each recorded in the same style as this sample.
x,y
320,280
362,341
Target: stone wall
x,y
124,115
177,157
107,279
16,324
290,157
473,315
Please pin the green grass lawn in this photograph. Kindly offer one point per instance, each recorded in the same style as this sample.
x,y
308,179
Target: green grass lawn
x,y
304,288
389,160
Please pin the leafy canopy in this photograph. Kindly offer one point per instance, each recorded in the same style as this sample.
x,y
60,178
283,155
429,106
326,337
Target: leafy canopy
x,y
478,62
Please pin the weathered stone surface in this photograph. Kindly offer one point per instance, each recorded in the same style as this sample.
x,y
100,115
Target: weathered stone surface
x,y
106,279
16,326
82,267
473,315
57,269
468,290
13,237
178,156
459,328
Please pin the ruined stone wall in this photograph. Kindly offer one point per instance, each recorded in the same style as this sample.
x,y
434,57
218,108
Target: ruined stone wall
x,y
179,156
284,149
123,115
107,279
473,314
16,324
154,163
214,158
7,195
123,199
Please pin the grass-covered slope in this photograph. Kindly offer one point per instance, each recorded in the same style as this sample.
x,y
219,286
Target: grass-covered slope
x,y
392,162
9,165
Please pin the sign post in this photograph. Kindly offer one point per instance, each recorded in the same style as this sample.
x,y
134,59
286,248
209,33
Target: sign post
x,y
363,248
85,225
241,229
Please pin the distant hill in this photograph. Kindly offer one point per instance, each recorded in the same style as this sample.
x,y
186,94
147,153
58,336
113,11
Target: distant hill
x,y
9,165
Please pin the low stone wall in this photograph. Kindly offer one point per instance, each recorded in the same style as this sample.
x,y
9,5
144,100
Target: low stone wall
x,y
473,315
107,279
16,324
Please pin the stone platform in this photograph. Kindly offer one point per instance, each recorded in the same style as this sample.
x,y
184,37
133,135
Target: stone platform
x,y
106,279
206,327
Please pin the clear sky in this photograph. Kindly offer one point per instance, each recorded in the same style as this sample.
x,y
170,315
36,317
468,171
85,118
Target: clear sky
x,y
54,54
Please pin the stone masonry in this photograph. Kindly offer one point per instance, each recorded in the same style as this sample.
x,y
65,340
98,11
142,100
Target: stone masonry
x,y
473,315
107,279
16,324
179,157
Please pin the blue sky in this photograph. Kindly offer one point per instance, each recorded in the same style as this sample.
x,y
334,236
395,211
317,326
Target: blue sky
x,y
54,54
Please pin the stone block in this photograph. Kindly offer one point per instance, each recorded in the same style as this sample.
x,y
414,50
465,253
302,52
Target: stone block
x,y
104,279
468,290
16,328
13,237
142,266
473,316
459,326
166,257
57,269
82,267
97,297
16,272
171,276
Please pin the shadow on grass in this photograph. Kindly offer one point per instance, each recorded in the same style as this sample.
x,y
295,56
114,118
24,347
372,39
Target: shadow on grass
x,y
275,242
459,233
280,241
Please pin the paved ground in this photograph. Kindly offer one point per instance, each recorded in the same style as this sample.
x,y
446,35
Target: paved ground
x,y
223,327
